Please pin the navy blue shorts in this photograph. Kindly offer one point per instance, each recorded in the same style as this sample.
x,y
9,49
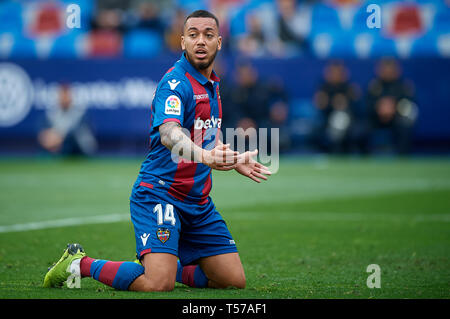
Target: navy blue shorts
x,y
164,224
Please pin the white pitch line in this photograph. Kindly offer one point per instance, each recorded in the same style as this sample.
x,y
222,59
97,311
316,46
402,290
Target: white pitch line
x,y
251,215
74,221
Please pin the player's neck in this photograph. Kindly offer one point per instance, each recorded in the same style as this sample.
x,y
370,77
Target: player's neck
x,y
206,72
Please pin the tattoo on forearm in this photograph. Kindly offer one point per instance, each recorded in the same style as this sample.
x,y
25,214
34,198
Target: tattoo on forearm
x,y
176,141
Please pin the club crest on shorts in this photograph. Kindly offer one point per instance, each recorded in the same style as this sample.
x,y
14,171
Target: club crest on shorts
x,y
163,234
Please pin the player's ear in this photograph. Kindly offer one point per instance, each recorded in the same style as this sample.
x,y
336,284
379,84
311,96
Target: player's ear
x,y
183,46
219,43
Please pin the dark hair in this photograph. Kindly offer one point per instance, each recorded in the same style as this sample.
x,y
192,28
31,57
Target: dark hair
x,y
202,14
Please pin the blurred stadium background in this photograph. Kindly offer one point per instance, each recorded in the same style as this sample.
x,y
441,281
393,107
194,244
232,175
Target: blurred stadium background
x,y
314,69
311,68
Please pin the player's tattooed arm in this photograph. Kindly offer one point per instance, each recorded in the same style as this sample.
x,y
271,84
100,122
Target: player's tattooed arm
x,y
175,140
220,157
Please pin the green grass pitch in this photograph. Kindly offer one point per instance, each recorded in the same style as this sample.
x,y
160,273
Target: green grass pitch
x,y
309,232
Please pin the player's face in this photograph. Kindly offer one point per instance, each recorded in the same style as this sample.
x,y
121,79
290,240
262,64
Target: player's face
x,y
201,41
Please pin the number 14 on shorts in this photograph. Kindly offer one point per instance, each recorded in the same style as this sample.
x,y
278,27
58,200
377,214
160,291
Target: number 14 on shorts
x,y
168,214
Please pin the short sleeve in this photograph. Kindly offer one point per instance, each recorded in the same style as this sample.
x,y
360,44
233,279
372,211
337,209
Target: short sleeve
x,y
170,101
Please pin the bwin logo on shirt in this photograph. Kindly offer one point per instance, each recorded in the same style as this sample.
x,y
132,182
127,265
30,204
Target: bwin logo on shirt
x,y
206,124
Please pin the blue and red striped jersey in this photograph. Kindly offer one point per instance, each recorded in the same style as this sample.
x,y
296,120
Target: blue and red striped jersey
x,y
185,96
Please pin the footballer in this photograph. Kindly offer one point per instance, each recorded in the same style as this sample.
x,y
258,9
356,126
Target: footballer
x,y
180,236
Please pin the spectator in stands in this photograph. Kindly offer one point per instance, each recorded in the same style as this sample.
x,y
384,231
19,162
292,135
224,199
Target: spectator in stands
x,y
105,38
230,115
253,43
278,29
391,106
251,97
256,102
279,113
338,130
173,32
65,129
290,26
145,15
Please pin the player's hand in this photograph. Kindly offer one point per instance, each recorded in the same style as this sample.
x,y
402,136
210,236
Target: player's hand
x,y
221,158
250,168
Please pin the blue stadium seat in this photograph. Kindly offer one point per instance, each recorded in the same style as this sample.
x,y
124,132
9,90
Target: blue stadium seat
x,y
66,46
343,45
191,5
425,46
237,15
142,44
443,44
334,45
324,19
383,47
441,21
23,47
237,21
10,16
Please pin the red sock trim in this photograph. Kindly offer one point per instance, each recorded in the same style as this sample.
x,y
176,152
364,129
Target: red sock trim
x,y
109,271
85,266
187,276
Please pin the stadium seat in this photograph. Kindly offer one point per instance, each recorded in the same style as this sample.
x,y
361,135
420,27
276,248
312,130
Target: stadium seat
x,y
443,44
11,16
142,44
383,47
104,44
48,19
67,46
23,47
343,45
324,19
191,5
362,44
238,15
425,46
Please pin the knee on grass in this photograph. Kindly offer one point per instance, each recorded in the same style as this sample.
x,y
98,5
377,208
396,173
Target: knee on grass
x,y
145,284
236,281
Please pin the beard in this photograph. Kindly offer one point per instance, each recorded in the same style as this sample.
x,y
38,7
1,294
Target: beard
x,y
203,64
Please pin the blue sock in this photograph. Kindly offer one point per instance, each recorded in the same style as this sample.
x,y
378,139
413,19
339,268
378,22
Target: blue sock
x,y
116,274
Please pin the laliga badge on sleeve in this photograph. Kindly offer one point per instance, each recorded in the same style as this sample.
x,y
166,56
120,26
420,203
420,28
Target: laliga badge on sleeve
x,y
173,105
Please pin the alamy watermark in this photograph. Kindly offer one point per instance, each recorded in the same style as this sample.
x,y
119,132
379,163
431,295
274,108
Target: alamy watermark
x,y
374,19
267,141
73,16
374,279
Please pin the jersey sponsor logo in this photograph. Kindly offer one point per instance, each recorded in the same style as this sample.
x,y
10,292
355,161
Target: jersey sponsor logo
x,y
163,234
201,96
173,105
173,84
209,123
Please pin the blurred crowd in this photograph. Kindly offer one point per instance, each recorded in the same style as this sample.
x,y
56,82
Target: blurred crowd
x,y
348,118
352,120
254,28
